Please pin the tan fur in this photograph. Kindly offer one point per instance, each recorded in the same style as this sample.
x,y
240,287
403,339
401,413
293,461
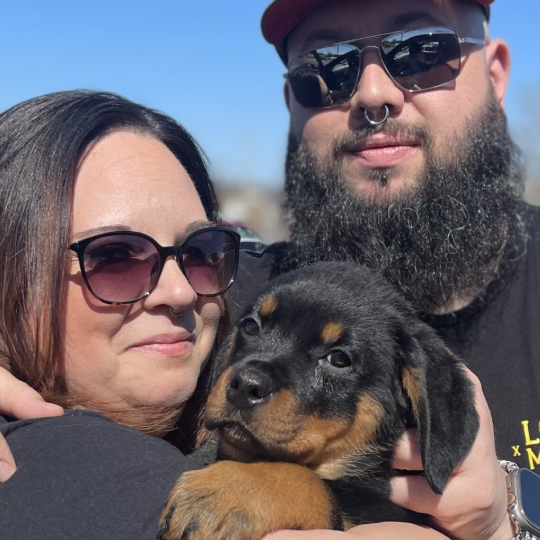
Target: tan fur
x,y
268,306
331,333
357,439
217,402
231,347
315,441
319,443
293,498
411,378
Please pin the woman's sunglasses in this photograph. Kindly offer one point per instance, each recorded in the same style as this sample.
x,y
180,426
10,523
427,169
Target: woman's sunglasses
x,y
123,267
415,60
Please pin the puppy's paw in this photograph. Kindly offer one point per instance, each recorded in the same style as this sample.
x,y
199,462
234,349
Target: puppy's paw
x,y
239,501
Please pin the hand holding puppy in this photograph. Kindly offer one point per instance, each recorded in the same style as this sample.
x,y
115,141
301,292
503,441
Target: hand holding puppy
x,y
474,502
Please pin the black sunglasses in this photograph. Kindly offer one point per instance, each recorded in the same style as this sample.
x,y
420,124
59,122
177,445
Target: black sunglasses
x,y
415,60
124,267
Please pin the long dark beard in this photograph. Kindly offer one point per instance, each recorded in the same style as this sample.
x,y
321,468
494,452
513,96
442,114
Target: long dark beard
x,y
445,240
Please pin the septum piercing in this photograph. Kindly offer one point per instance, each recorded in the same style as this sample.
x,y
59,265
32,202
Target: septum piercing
x,y
176,314
379,122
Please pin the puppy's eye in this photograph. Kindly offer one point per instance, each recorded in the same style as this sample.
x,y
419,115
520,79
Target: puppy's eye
x,y
338,359
250,327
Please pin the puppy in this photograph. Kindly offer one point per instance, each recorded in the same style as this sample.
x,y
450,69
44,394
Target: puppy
x,y
321,377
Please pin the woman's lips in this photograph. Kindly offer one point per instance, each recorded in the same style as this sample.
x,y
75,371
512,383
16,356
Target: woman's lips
x,y
166,344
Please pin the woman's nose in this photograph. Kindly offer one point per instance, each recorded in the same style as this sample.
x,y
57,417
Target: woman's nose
x,y
172,290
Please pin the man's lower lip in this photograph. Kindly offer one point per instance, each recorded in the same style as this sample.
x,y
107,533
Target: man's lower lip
x,y
385,156
178,348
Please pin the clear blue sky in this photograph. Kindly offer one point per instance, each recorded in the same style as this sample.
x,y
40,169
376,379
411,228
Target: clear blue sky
x,y
188,59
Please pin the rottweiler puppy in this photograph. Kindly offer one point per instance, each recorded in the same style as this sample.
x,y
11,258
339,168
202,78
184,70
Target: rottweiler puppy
x,y
321,377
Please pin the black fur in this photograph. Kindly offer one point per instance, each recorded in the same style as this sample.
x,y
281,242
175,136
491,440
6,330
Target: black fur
x,y
382,336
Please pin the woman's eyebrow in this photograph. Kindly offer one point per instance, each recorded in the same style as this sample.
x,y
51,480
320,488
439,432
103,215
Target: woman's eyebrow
x,y
99,230
197,225
192,227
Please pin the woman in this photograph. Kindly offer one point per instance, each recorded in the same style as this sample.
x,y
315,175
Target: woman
x,y
99,318
88,164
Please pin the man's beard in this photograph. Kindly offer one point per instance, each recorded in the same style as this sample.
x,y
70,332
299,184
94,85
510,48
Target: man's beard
x,y
441,242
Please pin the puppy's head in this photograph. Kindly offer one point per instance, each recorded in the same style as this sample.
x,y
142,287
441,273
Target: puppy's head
x,y
324,369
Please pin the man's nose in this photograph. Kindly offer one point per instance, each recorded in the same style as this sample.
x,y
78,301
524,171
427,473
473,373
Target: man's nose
x,y
375,88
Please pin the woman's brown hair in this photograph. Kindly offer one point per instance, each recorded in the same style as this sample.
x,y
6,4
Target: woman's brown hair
x,y
42,141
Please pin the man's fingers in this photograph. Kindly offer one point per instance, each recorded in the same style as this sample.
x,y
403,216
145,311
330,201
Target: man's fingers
x,y
17,399
7,463
407,455
414,493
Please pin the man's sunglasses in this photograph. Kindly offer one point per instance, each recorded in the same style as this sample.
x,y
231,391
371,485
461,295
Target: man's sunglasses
x,y
415,60
123,267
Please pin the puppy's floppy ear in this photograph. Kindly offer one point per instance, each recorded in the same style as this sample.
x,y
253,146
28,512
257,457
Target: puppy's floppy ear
x,y
442,400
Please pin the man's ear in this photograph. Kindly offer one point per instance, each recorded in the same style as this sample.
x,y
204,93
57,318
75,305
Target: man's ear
x,y
498,63
287,95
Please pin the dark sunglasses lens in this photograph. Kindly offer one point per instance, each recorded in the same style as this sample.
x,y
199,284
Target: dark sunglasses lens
x,y
420,59
121,268
325,77
210,260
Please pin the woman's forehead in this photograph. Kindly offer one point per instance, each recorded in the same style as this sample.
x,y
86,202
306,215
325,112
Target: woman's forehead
x,y
134,180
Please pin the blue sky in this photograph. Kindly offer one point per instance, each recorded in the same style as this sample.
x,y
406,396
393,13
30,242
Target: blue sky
x,y
188,59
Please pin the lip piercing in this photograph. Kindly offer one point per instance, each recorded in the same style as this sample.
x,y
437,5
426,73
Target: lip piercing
x,y
375,122
176,314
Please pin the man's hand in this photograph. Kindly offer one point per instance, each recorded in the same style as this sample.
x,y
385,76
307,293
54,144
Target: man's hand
x,y
473,505
17,399
373,531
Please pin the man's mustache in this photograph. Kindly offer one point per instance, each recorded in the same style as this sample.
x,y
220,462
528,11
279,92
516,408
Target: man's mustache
x,y
393,128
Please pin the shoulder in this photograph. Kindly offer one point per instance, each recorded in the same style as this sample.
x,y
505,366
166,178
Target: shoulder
x,y
83,473
84,431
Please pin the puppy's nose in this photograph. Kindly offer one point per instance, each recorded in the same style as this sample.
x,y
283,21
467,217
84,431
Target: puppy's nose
x,y
249,387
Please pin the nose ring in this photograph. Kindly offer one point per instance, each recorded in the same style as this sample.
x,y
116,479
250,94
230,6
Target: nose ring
x,y
176,314
377,122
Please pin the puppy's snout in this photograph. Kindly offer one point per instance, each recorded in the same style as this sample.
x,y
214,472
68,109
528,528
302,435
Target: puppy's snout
x,y
249,387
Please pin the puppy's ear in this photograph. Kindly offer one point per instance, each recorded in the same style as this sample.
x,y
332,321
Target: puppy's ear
x,y
442,400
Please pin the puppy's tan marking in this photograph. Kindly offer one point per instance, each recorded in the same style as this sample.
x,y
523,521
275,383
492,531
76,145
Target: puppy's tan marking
x,y
412,382
242,500
268,306
278,421
331,333
357,439
231,348
314,441
216,407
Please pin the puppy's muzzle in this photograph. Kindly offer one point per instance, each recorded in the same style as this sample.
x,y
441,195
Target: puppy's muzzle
x,y
249,386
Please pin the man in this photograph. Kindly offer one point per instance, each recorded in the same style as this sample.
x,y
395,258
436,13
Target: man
x,y
431,197
399,158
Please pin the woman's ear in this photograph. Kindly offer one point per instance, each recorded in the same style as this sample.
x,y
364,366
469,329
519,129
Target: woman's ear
x,y
498,63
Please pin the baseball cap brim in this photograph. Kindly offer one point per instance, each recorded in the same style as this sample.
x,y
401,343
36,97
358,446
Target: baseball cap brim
x,y
281,16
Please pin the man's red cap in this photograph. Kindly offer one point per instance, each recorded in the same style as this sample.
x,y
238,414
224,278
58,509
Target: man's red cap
x,y
281,16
